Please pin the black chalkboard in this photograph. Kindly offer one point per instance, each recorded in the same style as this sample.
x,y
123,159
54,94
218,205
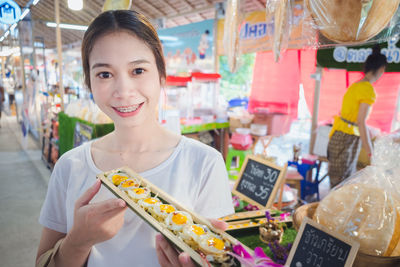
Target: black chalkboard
x,y
316,246
259,181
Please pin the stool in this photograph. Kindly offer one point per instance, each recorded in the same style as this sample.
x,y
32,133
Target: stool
x,y
293,179
240,155
307,187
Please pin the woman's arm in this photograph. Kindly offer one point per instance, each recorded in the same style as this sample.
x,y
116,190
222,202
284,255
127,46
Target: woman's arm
x,y
363,112
93,223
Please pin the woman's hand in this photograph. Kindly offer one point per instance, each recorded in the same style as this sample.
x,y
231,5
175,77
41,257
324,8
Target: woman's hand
x,y
169,257
95,222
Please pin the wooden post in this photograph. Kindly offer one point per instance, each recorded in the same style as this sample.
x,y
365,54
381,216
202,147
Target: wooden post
x,y
59,52
317,76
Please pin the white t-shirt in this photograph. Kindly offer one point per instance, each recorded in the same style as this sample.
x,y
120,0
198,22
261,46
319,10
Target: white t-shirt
x,y
194,174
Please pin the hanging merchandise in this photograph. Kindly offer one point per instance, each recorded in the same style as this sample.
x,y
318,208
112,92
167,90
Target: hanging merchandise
x,y
116,4
231,33
350,21
281,12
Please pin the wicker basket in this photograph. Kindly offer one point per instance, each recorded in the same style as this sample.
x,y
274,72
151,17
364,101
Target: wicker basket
x,y
362,260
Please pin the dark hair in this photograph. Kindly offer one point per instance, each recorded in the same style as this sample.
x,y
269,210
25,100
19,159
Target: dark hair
x,y
375,61
121,20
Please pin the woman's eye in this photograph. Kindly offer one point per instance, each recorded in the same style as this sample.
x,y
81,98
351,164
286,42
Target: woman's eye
x,y
138,71
104,75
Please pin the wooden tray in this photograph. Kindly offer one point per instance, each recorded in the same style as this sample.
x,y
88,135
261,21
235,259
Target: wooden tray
x,y
167,199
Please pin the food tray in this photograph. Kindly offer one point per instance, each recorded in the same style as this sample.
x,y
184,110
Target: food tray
x,y
158,226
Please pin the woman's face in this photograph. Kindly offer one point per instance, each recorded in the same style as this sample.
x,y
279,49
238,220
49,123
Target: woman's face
x,y
124,79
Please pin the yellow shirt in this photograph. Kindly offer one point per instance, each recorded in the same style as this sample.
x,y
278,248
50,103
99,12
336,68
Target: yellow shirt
x,y
357,93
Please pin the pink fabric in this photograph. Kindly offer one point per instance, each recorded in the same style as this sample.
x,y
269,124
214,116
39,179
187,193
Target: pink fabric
x,y
275,85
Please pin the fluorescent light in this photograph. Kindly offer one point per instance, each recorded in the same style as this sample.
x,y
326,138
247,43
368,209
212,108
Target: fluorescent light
x,y
35,2
13,26
6,34
75,4
26,11
2,38
67,26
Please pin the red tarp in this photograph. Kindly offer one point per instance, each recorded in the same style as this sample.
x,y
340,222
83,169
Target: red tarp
x,y
276,87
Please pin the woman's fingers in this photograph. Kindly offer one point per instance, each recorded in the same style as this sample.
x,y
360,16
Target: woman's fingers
x,y
221,225
170,257
88,195
185,260
108,205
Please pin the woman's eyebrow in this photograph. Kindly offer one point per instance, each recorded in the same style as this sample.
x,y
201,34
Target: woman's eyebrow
x,y
99,65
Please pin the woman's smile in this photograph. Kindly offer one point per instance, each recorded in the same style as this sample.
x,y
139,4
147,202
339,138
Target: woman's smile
x,y
127,111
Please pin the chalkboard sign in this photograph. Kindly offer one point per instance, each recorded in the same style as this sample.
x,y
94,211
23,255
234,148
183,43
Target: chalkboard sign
x,y
259,181
317,246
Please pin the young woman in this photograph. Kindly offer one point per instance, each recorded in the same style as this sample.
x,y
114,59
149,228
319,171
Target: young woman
x,y
344,143
83,223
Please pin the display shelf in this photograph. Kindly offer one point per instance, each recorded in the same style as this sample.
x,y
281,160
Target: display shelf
x,y
187,129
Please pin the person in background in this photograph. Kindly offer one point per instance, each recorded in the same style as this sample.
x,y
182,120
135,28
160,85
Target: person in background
x,y
349,131
2,99
83,223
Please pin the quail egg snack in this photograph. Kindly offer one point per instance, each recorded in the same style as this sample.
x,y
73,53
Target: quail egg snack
x,y
176,220
149,203
183,227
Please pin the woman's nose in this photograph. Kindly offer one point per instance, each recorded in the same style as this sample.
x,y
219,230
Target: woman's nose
x,y
124,87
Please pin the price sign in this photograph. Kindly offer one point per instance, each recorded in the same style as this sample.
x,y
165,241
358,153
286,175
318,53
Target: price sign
x,y
259,181
317,246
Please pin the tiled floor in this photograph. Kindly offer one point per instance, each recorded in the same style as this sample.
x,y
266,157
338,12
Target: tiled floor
x,y
23,178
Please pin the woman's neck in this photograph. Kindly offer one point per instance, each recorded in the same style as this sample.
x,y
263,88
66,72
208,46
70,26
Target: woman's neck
x,y
369,77
136,139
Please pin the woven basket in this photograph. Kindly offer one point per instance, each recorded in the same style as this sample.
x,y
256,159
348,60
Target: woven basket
x,y
362,260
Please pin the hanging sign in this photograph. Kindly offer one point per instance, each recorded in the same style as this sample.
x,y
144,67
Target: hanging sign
x,y
256,33
315,246
82,133
259,181
352,58
10,12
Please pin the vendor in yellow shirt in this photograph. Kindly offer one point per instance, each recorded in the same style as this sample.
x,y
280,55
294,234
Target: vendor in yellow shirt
x,y
348,128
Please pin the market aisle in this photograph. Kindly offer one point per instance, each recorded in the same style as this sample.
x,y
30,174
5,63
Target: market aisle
x,y
23,187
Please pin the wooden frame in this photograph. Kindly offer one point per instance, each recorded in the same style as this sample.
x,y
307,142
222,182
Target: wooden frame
x,y
278,183
354,245
182,246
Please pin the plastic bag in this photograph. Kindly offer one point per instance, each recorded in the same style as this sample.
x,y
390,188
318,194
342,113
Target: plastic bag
x,y
329,23
280,11
366,206
231,32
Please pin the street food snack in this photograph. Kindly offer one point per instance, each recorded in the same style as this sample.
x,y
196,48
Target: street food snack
x,y
188,231
351,21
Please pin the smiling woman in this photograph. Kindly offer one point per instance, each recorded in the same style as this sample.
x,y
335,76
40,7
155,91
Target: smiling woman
x,y
125,70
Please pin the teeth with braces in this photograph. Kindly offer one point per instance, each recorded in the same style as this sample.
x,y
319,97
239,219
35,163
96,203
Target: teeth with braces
x,y
128,109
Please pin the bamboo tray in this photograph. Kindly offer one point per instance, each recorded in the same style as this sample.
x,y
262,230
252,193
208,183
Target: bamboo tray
x,y
160,227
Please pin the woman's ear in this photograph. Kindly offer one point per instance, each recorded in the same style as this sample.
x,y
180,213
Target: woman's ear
x,y
162,82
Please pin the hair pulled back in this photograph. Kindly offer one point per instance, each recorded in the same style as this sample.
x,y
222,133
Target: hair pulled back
x,y
126,21
375,61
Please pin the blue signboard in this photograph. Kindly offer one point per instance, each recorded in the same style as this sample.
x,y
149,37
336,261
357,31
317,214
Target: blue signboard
x,y
10,12
188,47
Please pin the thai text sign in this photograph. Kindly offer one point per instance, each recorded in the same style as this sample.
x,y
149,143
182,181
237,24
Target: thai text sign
x,y
316,246
259,181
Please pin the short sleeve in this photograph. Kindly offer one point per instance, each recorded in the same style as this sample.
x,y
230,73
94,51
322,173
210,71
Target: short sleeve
x,y
215,199
54,214
367,94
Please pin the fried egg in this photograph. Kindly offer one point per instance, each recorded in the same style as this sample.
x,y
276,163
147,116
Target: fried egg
x,y
139,193
162,210
117,178
211,243
194,232
176,220
128,185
